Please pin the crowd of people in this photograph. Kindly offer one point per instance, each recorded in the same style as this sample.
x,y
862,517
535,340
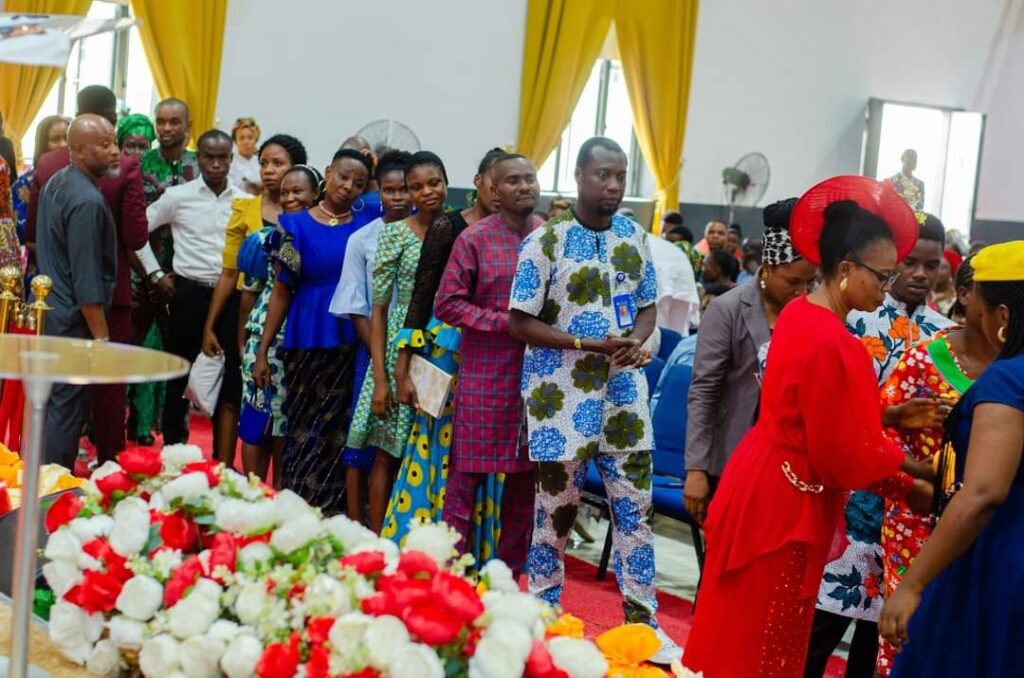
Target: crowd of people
x,y
391,358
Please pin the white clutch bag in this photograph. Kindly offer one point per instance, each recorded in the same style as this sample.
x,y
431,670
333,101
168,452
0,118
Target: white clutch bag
x,y
433,385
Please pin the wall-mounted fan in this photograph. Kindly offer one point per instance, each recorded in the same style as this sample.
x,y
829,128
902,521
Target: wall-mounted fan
x,y
383,135
745,182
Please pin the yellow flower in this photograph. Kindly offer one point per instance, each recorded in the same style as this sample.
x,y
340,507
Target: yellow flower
x,y
566,625
627,647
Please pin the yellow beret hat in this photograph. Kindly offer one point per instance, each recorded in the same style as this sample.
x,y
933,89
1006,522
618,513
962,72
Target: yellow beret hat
x,y
1000,263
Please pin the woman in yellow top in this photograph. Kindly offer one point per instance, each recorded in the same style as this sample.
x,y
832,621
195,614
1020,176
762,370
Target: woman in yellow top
x,y
248,215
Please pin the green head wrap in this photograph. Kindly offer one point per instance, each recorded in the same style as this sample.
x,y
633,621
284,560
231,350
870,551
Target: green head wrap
x,y
136,123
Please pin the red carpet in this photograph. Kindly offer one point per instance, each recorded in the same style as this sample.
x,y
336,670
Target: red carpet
x,y
597,603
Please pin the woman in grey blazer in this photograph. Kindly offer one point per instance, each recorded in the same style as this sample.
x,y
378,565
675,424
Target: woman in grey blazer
x,y
725,389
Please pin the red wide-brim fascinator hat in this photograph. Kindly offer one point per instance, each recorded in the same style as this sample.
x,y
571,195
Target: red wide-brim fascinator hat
x,y
877,197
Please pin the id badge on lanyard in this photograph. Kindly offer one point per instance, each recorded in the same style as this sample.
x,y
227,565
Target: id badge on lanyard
x,y
625,307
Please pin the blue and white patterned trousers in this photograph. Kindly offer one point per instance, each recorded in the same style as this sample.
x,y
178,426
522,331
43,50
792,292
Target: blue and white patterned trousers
x,y
627,481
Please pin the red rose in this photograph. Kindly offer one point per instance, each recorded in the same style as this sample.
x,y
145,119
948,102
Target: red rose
x,y
404,591
431,623
115,486
179,532
379,605
318,629
138,462
540,664
97,592
62,511
181,580
224,552
279,659
412,563
319,662
471,642
209,467
116,565
457,596
365,563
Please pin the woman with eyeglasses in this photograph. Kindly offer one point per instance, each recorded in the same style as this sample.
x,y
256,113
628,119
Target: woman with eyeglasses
x,y
819,435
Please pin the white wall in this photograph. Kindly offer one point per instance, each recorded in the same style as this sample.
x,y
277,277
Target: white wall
x,y
448,69
792,79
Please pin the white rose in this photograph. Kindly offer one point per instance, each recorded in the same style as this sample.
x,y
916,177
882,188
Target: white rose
x,y
251,603
296,533
87,529
435,539
74,631
416,660
244,517
579,658
497,658
200,656
350,533
61,575
160,656
179,455
125,632
193,615
63,545
499,577
157,502
519,607
348,631
326,596
131,527
105,469
224,630
254,554
241,657
105,660
288,506
512,634
187,487
207,587
140,598
384,637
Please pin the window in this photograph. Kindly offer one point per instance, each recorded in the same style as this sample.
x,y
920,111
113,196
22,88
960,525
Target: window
x,y
115,60
603,109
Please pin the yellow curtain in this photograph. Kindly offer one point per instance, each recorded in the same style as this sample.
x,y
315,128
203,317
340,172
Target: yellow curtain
x,y
563,38
23,89
183,42
656,40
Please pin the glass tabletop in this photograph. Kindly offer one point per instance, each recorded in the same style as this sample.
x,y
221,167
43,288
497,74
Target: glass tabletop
x,y
80,361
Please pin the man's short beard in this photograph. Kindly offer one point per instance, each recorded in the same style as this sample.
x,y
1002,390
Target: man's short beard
x,y
606,211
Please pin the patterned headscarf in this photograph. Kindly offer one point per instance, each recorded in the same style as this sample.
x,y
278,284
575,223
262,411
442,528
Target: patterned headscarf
x,y
778,247
136,123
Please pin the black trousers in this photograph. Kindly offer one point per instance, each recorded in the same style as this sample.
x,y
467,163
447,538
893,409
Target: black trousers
x,y
826,634
188,311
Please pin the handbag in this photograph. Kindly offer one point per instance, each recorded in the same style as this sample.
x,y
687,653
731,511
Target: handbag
x,y
204,381
255,419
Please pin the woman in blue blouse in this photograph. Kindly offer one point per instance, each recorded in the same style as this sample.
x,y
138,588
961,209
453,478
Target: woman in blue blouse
x,y
319,350
961,603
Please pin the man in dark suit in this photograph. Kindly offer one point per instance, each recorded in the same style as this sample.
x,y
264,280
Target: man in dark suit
x,y
77,248
127,202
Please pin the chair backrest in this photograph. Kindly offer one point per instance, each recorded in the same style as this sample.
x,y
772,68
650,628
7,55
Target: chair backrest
x,y
653,372
669,421
669,340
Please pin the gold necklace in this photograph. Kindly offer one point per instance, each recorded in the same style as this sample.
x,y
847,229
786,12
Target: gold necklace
x,y
333,219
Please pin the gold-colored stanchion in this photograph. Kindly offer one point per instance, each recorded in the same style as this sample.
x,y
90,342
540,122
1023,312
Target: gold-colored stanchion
x,y
41,287
9,301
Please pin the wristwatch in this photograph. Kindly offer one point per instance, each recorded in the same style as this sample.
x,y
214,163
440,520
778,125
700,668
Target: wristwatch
x,y
577,343
156,276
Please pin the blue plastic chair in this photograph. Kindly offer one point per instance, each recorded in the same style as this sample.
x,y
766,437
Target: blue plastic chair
x,y
669,340
669,422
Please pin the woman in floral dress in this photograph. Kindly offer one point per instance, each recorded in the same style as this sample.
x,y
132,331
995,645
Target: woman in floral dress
x,y
299,190
944,367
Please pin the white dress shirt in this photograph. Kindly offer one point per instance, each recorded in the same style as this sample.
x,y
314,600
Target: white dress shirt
x,y
678,299
198,220
245,173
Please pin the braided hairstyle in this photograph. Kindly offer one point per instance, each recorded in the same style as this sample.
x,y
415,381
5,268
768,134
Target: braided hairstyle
x,y
964,278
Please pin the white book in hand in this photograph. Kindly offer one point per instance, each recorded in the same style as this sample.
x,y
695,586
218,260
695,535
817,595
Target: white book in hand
x,y
432,385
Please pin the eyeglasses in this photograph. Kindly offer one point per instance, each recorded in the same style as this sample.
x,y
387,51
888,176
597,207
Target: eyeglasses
x,y
886,280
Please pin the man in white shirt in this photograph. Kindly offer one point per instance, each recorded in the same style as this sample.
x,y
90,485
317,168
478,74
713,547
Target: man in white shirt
x,y
678,300
198,214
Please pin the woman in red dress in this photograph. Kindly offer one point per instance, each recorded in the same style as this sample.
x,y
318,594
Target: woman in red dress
x,y
770,527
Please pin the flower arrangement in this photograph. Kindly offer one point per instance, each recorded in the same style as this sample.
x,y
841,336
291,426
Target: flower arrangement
x,y
171,565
